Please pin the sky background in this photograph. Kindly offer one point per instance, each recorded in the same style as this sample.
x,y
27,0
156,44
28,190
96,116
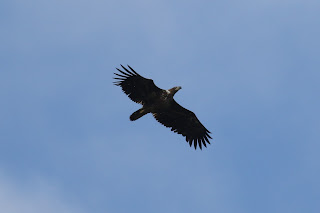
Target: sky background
x,y
249,69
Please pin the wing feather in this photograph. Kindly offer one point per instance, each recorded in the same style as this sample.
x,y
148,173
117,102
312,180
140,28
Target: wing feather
x,y
132,70
139,89
122,76
131,73
184,122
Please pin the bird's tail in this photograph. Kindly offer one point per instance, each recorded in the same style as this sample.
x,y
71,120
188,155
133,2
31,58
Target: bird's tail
x,y
138,114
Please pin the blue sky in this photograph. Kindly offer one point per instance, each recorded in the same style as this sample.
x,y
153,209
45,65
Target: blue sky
x,y
248,69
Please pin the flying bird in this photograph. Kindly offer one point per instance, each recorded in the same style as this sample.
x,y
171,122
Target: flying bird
x,y
163,107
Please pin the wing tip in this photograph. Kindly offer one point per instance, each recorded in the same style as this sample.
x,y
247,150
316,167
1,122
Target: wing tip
x,y
133,70
198,142
127,73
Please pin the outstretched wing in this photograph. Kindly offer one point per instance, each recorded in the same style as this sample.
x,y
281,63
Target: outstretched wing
x,y
139,89
184,122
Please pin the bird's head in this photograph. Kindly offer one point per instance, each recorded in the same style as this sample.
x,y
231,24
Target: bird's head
x,y
173,90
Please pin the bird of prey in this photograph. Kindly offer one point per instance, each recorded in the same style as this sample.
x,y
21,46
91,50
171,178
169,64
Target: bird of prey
x,y
163,107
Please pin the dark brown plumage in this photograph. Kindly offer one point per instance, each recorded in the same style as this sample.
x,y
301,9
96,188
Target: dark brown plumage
x,y
163,107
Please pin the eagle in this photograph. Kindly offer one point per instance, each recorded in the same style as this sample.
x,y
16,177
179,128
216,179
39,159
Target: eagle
x,y
163,107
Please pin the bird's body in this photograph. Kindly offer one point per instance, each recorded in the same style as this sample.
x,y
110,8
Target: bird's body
x,y
163,107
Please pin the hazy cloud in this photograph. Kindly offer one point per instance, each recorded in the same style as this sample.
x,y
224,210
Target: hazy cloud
x,y
34,195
